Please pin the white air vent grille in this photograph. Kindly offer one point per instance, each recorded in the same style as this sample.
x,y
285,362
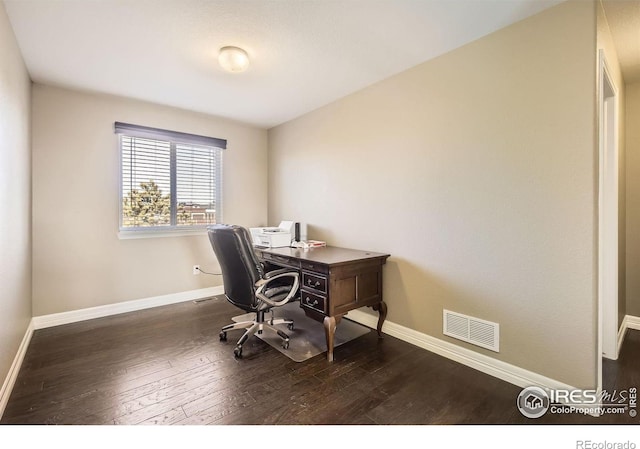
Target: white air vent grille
x,y
472,330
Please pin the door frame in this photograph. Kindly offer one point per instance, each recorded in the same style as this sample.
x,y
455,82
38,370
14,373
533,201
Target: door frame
x,y
608,221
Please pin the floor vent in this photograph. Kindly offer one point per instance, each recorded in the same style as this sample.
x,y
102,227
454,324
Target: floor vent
x,y
472,330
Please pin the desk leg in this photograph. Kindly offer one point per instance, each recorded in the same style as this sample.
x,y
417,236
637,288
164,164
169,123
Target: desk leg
x,y
330,324
381,307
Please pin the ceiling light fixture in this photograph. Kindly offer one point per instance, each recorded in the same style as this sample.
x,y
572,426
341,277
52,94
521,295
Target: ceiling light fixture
x,y
233,59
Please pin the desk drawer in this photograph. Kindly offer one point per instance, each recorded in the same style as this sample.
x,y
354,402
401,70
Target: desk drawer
x,y
314,282
314,266
315,302
280,260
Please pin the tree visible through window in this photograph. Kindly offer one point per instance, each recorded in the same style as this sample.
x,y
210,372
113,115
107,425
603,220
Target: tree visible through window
x,y
146,206
170,180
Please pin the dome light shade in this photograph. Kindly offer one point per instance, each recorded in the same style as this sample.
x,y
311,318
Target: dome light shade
x,y
233,59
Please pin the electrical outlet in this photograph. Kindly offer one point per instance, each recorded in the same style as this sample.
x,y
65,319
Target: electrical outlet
x,y
196,269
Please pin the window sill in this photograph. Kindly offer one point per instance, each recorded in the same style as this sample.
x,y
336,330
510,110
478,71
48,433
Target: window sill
x,y
151,234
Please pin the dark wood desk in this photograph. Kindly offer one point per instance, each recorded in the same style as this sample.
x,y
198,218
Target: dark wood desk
x,y
333,281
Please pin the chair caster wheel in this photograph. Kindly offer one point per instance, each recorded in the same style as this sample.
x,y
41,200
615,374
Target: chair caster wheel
x,y
285,345
223,336
238,352
290,326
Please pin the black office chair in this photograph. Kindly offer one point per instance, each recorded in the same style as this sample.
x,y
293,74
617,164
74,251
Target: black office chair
x,y
249,285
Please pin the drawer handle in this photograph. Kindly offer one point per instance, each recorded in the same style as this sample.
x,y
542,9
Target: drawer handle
x,y
309,303
311,284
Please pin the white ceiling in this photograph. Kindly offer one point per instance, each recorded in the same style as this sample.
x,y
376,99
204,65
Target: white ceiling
x,y
304,53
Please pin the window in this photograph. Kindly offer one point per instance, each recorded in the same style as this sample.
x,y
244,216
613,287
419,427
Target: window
x,y
169,180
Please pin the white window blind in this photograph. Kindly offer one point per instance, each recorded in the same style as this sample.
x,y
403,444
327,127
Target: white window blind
x,y
170,180
197,187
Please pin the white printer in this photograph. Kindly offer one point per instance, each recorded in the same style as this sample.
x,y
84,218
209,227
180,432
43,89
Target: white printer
x,y
273,237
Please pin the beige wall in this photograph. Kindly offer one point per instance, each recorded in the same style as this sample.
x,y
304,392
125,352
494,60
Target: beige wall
x,y
476,171
633,198
78,260
605,43
15,197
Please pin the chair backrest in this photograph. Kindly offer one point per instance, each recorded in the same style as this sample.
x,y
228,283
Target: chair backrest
x,y
240,267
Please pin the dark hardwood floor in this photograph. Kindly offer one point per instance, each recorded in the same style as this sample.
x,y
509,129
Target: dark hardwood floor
x,y
167,366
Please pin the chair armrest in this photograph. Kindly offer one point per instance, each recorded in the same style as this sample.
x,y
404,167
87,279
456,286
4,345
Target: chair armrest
x,y
270,274
263,283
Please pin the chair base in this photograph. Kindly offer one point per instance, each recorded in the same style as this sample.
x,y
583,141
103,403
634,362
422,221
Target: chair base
x,y
256,326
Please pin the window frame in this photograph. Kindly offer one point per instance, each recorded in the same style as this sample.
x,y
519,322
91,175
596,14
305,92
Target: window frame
x,y
174,139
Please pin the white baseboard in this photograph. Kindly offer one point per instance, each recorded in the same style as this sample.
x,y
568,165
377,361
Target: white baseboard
x,y
73,316
631,322
621,334
488,365
10,380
